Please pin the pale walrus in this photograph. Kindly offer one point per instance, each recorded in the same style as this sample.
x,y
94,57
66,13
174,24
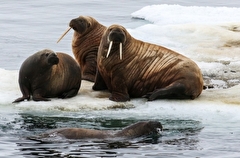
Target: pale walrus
x,y
86,39
138,129
133,68
47,74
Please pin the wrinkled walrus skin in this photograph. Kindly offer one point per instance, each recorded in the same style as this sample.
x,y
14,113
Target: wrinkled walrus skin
x,y
138,129
47,74
86,39
145,70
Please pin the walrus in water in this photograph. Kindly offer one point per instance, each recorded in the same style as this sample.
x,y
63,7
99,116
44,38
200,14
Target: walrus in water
x,y
86,39
132,68
138,129
47,74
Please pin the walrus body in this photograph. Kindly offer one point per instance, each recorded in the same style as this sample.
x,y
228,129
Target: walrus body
x,y
86,39
145,70
47,74
136,130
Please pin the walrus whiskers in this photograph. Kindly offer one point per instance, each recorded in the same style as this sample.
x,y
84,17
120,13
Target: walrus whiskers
x,y
64,34
109,48
120,49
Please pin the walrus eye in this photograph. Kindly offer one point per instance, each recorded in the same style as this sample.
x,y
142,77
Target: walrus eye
x,y
46,54
88,25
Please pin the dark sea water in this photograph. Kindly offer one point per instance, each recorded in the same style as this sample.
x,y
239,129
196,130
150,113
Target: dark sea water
x,y
202,128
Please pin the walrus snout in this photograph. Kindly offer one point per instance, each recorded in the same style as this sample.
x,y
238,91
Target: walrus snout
x,y
156,127
53,59
79,24
74,25
116,35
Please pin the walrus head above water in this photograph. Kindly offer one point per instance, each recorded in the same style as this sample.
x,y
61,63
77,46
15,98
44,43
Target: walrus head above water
x,y
141,128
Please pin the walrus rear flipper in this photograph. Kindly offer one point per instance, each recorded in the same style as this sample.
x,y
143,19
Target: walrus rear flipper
x,y
21,99
25,92
69,94
173,91
37,97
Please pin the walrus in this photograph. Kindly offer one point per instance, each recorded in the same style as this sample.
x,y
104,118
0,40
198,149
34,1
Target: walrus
x,y
138,129
85,41
131,68
47,74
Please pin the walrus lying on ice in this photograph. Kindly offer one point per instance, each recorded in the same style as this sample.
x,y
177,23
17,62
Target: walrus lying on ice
x,y
135,130
132,68
86,39
47,74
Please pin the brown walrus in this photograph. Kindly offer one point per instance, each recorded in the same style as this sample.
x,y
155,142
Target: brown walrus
x,y
86,39
135,130
47,74
143,69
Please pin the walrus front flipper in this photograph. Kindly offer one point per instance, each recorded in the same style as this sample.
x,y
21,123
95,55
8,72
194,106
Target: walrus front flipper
x,y
99,83
173,91
119,97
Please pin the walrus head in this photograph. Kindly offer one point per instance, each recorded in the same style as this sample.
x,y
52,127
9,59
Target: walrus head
x,y
81,25
116,35
154,127
50,55
141,128
52,58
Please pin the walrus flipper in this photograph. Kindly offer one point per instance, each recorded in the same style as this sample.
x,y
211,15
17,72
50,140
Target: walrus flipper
x,y
119,91
119,97
25,92
38,97
99,83
173,91
69,94
21,99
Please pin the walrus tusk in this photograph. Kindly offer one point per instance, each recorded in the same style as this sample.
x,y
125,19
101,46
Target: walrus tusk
x,y
120,49
109,48
64,34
